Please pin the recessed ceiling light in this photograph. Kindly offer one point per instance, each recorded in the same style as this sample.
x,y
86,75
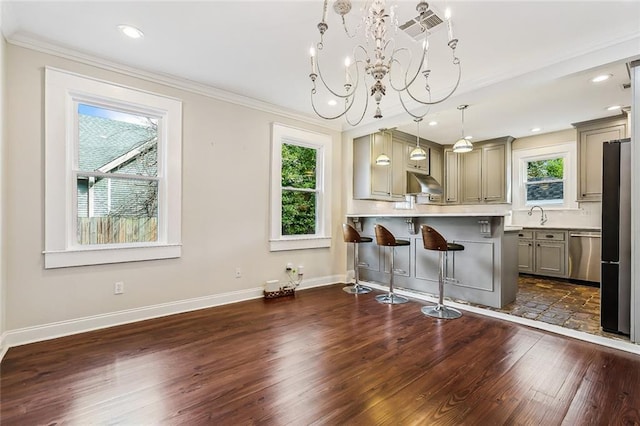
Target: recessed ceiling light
x,y
536,129
613,107
130,31
433,123
332,102
601,78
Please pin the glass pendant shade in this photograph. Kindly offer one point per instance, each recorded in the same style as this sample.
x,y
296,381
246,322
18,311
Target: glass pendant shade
x,y
417,154
383,160
462,145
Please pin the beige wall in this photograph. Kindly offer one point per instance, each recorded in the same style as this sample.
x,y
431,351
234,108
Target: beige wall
x,y
3,281
225,208
587,214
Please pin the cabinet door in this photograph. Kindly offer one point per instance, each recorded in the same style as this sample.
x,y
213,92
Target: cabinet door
x,y
398,175
471,164
435,167
380,175
451,176
401,262
590,158
473,267
550,258
369,255
525,256
494,173
422,165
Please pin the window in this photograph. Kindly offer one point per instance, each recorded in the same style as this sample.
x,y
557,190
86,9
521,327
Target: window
x,y
545,176
300,182
545,181
113,177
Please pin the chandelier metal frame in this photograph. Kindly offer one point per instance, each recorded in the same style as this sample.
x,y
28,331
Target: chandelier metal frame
x,y
379,61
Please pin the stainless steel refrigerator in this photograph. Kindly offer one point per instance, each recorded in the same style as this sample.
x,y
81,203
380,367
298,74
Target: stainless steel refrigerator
x,y
615,276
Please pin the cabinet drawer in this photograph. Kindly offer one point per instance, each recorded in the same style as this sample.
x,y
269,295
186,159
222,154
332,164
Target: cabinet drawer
x,y
525,234
550,235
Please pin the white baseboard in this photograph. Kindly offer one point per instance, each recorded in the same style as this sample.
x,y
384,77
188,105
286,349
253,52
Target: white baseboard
x,y
54,330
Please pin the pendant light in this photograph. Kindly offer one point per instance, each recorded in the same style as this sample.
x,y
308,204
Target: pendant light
x,y
418,153
462,145
383,160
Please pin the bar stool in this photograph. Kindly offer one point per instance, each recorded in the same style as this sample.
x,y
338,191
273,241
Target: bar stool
x,y
352,236
434,241
386,238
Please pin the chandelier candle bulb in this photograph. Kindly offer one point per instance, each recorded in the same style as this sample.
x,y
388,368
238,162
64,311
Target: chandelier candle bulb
x,y
312,52
347,64
447,17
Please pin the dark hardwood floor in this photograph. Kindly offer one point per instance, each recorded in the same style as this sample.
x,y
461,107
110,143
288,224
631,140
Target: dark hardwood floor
x,y
322,357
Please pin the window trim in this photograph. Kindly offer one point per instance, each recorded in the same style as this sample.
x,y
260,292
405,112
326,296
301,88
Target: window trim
x,y
63,91
521,157
322,142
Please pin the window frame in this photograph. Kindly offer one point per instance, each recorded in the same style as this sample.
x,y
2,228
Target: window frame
x,y
63,92
282,134
566,151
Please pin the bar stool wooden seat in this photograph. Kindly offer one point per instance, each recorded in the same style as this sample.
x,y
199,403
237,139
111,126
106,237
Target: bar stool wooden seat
x,y
433,240
352,236
386,238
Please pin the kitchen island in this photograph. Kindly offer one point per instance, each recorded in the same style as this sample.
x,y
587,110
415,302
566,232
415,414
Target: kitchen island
x,y
485,272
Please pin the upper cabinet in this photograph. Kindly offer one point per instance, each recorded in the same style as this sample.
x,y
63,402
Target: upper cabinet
x,y
480,176
378,182
389,183
590,136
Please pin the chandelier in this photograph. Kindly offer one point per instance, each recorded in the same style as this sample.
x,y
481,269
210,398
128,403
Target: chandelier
x,y
380,62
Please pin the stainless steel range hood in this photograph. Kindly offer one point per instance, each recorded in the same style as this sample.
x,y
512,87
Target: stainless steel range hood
x,y
428,185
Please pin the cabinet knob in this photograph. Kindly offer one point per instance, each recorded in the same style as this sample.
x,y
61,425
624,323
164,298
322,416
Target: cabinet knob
x,y
529,244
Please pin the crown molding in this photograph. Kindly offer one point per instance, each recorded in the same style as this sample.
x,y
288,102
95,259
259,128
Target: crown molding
x,y
39,45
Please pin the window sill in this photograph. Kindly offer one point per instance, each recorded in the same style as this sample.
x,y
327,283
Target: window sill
x,y
106,255
299,243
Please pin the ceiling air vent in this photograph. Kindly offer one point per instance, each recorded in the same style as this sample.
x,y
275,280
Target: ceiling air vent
x,y
414,30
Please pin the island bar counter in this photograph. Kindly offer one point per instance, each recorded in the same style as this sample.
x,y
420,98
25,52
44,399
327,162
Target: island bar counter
x,y
485,272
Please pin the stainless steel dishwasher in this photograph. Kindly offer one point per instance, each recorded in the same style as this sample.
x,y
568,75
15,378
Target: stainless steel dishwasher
x,y
584,255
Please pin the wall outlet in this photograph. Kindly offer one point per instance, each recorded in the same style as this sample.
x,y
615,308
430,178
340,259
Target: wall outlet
x,y
300,269
118,287
238,273
289,266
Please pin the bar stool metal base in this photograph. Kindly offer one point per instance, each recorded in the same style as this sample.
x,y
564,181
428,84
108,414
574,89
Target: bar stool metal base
x,y
356,289
391,299
441,311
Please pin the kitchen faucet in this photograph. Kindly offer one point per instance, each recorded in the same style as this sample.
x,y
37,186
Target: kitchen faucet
x,y
543,217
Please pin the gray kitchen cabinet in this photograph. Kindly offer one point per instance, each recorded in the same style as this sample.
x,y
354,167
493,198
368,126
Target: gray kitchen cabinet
x,y
471,176
525,252
494,173
451,172
435,169
419,165
543,252
378,182
480,176
590,136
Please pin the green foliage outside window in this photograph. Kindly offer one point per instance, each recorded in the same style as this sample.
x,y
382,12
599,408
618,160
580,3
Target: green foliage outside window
x,y
551,169
298,190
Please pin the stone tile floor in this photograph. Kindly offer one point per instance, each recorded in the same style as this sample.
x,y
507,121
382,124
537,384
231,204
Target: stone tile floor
x,y
558,302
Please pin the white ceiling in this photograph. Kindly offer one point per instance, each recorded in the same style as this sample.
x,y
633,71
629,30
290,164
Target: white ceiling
x,y
525,64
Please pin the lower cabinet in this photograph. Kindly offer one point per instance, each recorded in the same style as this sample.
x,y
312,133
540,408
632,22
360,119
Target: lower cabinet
x,y
543,252
378,259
